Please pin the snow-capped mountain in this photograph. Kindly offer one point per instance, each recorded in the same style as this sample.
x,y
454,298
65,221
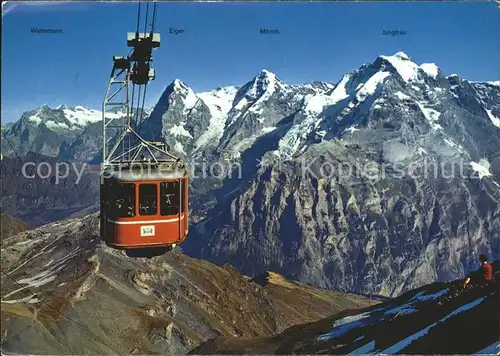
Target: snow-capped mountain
x,y
383,230
69,133
63,118
298,213
227,119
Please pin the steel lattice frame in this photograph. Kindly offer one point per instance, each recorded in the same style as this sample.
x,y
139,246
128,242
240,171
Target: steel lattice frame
x,y
114,126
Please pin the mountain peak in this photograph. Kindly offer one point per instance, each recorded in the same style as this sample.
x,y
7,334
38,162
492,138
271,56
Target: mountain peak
x,y
258,90
178,84
407,69
266,73
402,55
266,77
398,56
268,80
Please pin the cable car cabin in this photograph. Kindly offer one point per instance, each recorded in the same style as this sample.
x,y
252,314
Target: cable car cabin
x,y
149,211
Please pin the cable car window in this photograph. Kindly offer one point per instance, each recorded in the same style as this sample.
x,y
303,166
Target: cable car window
x,y
123,204
147,199
169,196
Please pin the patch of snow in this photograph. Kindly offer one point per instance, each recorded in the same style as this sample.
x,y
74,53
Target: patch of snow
x,y
314,104
451,143
56,125
179,147
266,130
27,242
35,118
219,101
421,151
290,143
81,116
403,309
339,93
432,116
403,65
482,168
430,69
40,279
242,145
351,129
241,104
350,319
493,349
421,296
46,276
497,83
21,300
179,130
402,55
495,120
342,326
365,349
371,85
396,348
42,251
49,263
401,96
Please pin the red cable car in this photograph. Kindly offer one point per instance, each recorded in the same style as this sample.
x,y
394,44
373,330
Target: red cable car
x,y
144,210
144,203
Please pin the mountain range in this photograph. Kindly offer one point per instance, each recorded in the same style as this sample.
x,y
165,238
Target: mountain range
x,y
269,188
437,319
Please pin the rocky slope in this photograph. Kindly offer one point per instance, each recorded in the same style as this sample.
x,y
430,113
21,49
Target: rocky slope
x,y
9,226
39,196
436,319
64,292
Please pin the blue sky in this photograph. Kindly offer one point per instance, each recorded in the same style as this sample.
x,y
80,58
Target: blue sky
x,y
222,46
